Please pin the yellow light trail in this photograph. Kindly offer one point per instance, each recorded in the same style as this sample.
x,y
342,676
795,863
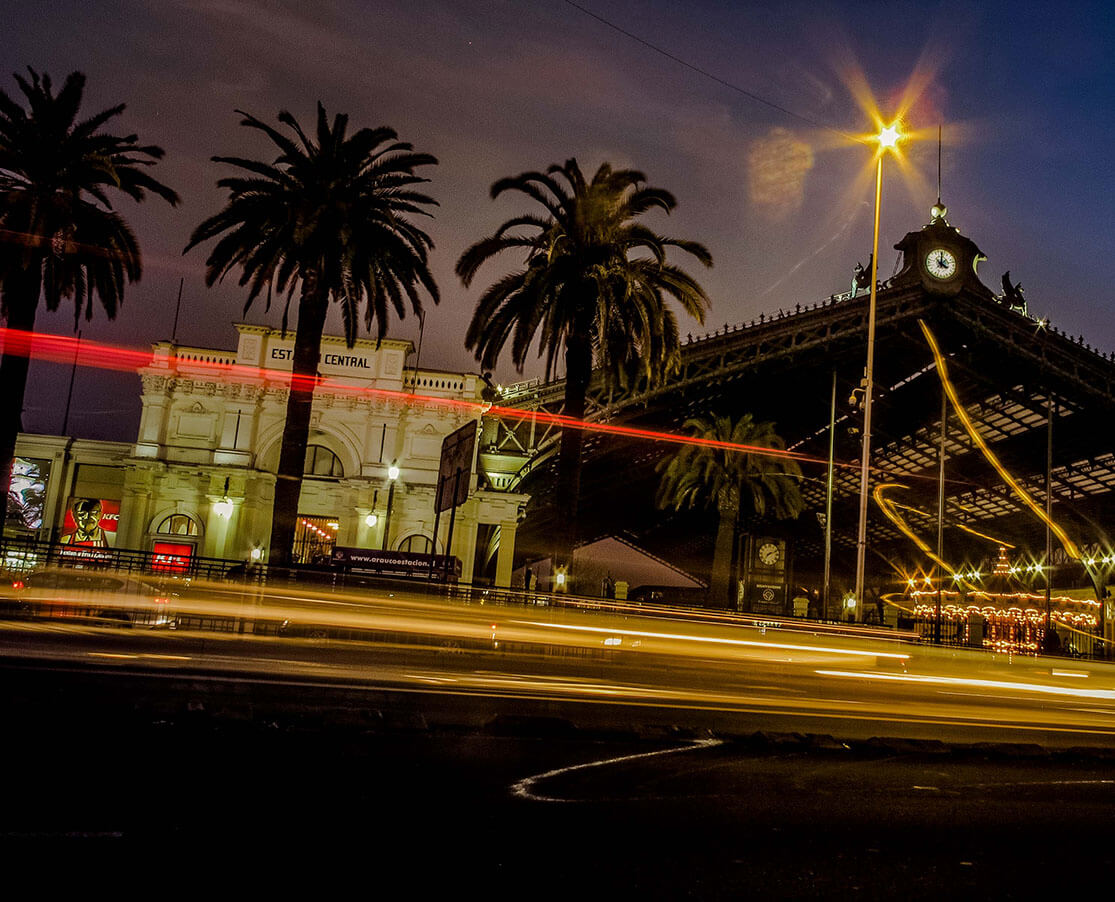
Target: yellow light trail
x,y
1068,544
885,505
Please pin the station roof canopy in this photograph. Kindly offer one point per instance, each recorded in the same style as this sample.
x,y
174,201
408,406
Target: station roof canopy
x,y
1012,375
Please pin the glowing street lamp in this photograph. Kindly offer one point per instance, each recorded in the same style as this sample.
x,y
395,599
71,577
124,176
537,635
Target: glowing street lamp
x,y
889,136
888,139
223,506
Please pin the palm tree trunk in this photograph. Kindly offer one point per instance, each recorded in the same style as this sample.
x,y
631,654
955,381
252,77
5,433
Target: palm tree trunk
x,y
578,371
13,379
720,584
312,308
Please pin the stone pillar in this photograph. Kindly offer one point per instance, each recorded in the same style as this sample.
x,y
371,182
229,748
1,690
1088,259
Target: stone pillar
x,y
153,427
363,535
253,528
464,545
349,521
221,529
216,529
506,556
134,514
140,483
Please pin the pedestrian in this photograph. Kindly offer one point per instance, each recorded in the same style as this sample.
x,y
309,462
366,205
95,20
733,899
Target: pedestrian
x,y
527,578
1052,641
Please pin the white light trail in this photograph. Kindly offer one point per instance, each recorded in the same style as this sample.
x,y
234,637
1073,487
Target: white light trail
x,y
981,684
714,640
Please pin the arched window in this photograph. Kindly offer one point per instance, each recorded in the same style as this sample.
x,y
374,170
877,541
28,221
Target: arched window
x,y
320,461
416,545
178,525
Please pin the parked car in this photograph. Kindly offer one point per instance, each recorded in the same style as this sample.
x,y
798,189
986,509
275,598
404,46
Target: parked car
x,y
110,599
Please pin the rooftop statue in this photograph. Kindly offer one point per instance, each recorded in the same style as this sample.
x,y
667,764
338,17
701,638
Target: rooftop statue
x,y
1012,295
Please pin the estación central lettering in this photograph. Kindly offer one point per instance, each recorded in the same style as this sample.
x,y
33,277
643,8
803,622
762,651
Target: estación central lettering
x,y
330,359
345,360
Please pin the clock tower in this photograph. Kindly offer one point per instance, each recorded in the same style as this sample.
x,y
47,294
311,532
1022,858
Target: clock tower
x,y
939,259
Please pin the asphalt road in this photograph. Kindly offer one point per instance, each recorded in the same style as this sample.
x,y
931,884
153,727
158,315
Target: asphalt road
x,y
459,667
524,809
516,754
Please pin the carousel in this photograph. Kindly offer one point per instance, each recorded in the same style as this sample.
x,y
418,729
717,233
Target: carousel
x,y
1003,614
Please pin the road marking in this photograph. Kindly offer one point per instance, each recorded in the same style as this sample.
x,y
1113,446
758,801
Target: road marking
x,y
524,789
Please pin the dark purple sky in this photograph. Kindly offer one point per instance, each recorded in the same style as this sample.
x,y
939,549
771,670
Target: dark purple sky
x,y
1026,93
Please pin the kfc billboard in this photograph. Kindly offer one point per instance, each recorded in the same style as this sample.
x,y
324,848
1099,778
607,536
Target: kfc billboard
x,y
91,522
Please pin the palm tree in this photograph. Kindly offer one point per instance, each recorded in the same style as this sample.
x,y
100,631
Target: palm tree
x,y
717,470
60,238
593,289
327,218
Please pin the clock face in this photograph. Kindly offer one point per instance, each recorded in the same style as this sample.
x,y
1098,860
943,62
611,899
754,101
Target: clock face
x,y
769,554
940,263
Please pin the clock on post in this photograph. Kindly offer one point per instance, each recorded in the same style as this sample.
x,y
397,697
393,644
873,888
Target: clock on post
x,y
765,585
769,554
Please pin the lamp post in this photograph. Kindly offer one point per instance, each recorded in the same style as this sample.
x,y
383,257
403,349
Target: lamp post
x,y
392,476
887,139
828,505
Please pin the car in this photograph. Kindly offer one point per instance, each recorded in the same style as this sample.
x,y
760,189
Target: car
x,y
101,598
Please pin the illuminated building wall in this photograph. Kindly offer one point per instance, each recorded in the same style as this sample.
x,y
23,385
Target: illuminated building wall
x,y
202,467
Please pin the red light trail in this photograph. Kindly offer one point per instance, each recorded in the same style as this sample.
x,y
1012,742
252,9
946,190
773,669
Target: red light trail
x,y
62,349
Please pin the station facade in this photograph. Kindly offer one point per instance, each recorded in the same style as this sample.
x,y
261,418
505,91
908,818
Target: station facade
x,y
199,478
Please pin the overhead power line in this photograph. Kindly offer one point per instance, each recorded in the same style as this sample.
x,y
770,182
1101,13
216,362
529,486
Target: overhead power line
x,y
750,95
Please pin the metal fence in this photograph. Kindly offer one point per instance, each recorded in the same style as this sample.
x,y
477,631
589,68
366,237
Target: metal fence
x,y
1021,638
18,557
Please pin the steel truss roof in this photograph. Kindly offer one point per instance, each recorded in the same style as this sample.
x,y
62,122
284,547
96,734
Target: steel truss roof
x,y
1006,368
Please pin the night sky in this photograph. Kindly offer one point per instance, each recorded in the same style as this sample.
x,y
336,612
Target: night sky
x,y
1025,92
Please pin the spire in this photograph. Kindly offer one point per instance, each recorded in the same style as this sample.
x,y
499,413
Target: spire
x,y
939,210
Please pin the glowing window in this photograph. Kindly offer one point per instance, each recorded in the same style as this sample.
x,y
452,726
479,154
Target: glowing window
x,y
178,525
320,461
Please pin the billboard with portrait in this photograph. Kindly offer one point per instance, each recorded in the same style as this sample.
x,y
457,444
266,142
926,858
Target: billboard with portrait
x,y
91,522
27,493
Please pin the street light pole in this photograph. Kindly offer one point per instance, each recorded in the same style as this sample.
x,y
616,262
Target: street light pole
x,y
938,568
1051,412
828,504
888,137
392,476
868,389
